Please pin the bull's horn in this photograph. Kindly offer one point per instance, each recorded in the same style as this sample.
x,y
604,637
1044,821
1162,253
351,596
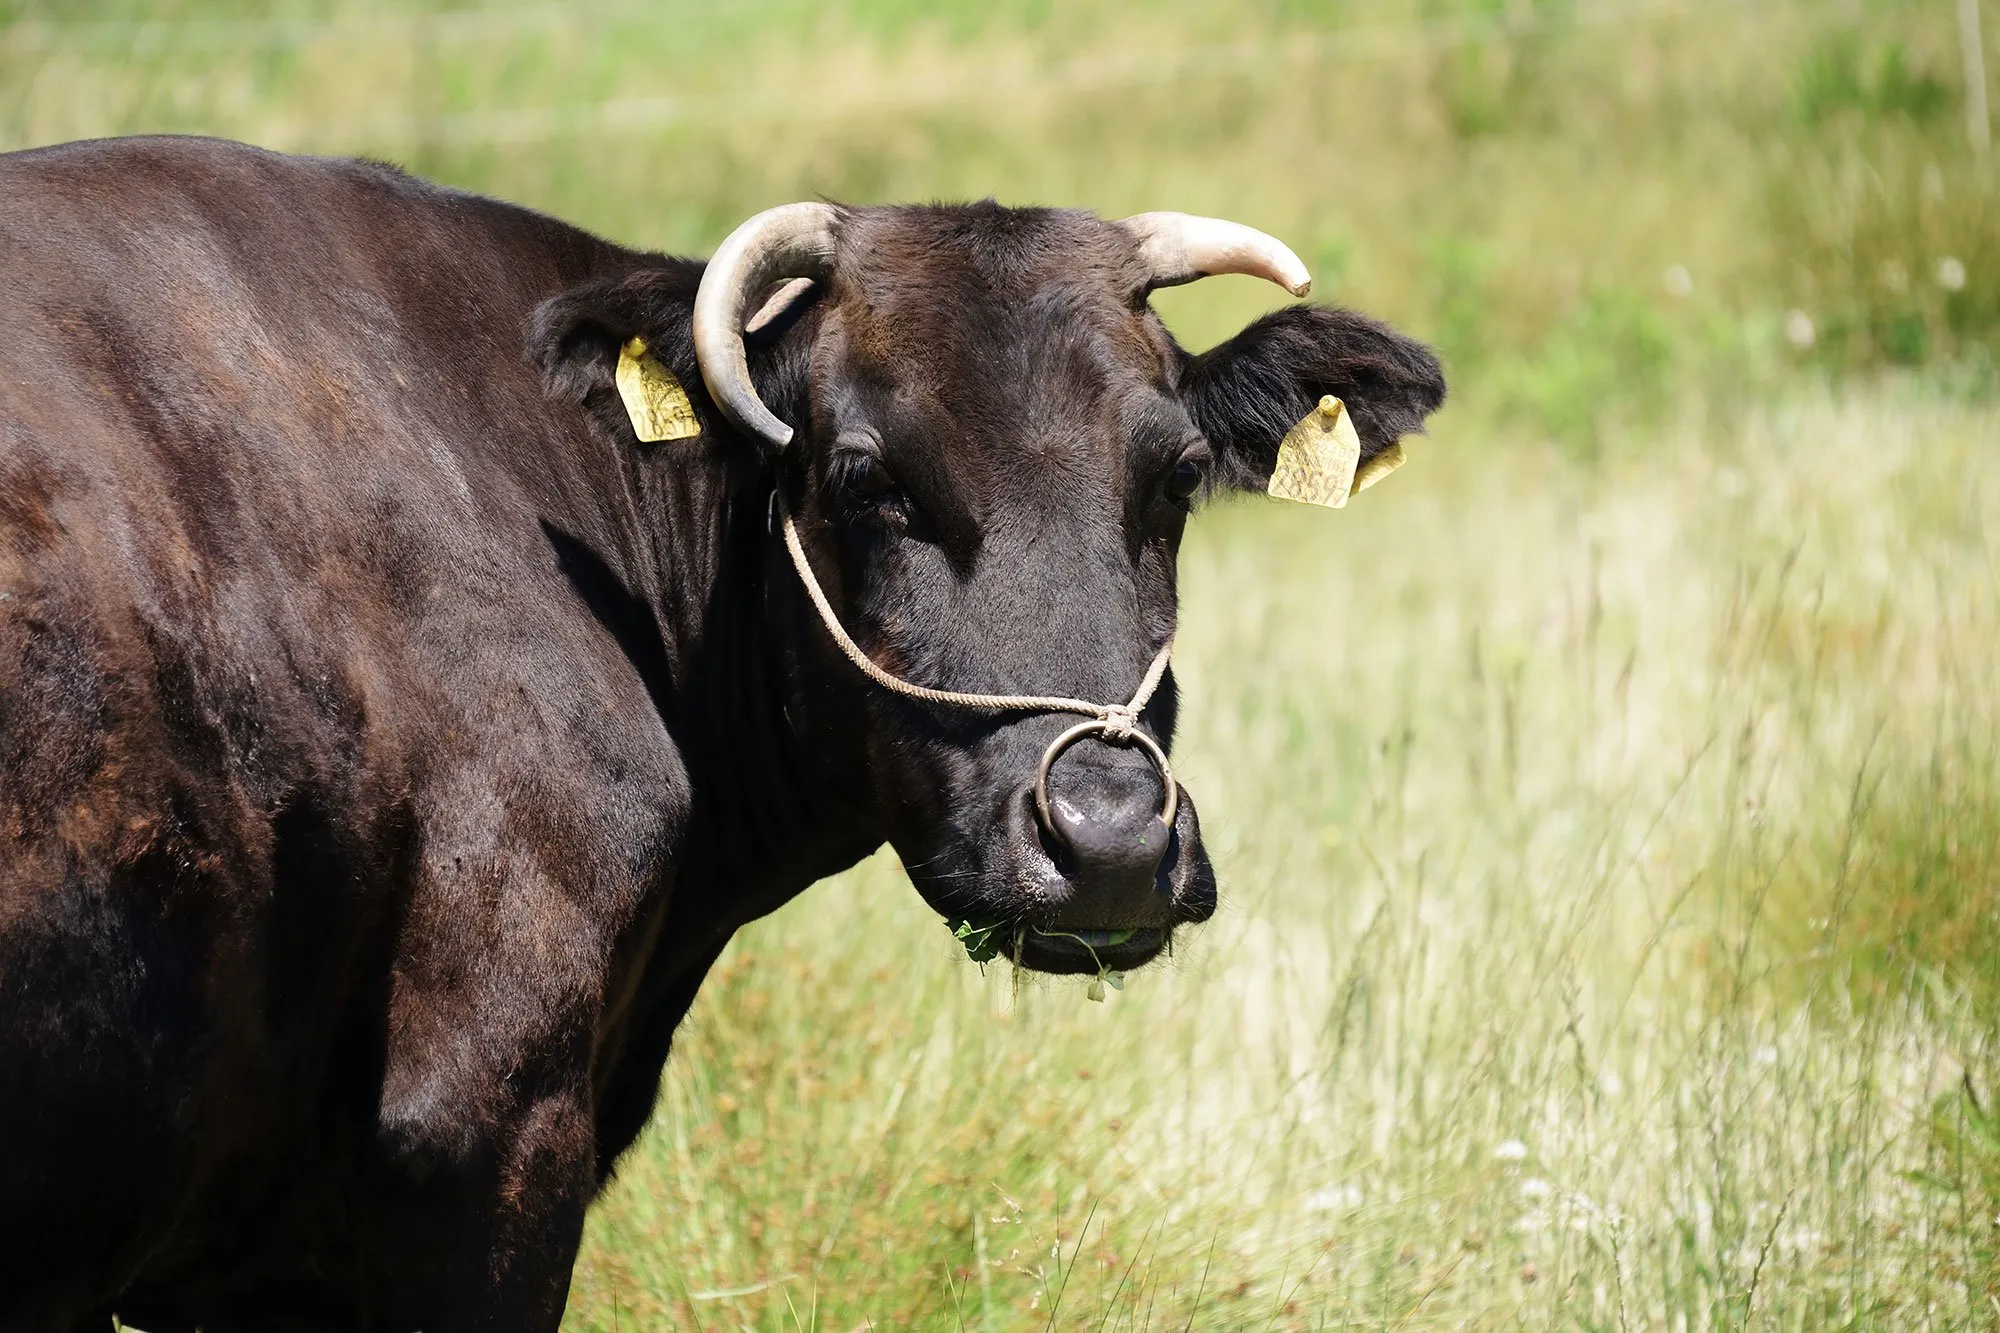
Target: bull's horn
x,y
1180,247
790,241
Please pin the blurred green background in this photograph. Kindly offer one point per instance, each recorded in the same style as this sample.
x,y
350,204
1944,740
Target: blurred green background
x,y
1596,210
1607,809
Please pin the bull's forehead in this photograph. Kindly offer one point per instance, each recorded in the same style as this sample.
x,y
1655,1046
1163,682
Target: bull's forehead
x,y
984,251
1017,333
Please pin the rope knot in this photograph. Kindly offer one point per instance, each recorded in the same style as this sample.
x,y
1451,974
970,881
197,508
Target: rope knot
x,y
1121,721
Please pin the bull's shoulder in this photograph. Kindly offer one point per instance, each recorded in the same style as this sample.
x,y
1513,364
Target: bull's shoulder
x,y
275,468
289,373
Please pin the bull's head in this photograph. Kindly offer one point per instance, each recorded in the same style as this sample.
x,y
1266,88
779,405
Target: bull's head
x,y
991,445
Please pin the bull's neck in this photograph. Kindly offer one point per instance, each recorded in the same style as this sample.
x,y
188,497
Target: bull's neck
x,y
768,815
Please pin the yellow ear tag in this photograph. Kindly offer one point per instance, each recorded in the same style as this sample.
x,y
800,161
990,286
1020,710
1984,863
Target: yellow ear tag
x,y
1316,458
1378,467
654,399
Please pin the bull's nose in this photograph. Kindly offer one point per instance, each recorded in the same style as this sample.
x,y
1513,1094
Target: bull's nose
x,y
1113,851
1107,818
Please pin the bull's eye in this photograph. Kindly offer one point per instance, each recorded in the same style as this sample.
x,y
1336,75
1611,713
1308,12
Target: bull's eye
x,y
866,481
1186,479
871,480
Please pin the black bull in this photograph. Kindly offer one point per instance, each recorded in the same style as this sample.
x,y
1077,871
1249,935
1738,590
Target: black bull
x,y
389,741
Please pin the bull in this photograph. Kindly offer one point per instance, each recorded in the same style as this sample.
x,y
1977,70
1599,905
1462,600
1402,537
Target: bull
x,y
391,738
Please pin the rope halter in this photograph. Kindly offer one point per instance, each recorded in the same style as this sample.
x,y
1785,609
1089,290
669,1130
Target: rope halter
x,y
1117,724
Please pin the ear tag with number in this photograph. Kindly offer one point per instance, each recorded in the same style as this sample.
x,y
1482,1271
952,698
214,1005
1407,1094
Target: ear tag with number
x,y
1316,458
654,399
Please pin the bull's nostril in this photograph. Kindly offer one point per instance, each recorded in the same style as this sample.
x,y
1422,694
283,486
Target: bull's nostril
x,y
1049,839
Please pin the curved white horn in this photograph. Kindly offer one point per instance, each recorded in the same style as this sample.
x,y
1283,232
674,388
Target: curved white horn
x,y
1180,247
790,241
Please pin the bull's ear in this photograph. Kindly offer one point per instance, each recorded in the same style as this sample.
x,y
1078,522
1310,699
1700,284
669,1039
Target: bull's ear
x,y
1245,394
573,339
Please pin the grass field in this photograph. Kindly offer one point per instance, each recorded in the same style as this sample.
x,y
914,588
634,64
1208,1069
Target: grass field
x,y
1608,807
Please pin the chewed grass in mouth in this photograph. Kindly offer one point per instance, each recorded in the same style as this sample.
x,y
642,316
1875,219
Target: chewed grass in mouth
x,y
1092,951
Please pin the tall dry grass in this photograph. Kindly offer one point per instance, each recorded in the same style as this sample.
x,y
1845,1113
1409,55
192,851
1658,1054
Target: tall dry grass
x,y
1603,853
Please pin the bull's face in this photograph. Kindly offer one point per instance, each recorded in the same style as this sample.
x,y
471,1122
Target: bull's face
x,y
991,446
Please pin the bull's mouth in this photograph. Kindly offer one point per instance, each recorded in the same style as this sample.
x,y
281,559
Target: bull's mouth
x,y
1087,952
1064,952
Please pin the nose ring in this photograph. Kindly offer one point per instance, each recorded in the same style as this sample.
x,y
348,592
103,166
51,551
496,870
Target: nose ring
x,y
1113,734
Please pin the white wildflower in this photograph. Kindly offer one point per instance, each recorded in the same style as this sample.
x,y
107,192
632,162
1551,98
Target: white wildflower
x,y
1590,1210
1511,1150
1533,1221
1334,1199
1534,1187
1678,281
1799,330
1951,274
1800,1243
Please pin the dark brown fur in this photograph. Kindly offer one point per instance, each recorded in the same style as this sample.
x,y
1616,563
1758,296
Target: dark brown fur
x,y
388,742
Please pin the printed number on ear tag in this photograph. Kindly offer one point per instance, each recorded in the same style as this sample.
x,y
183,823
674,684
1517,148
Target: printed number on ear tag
x,y
654,399
1317,457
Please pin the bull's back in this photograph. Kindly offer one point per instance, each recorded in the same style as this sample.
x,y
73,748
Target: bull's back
x,y
255,415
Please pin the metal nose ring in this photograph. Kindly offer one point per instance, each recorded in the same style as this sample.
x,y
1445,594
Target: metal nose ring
x,y
1113,734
